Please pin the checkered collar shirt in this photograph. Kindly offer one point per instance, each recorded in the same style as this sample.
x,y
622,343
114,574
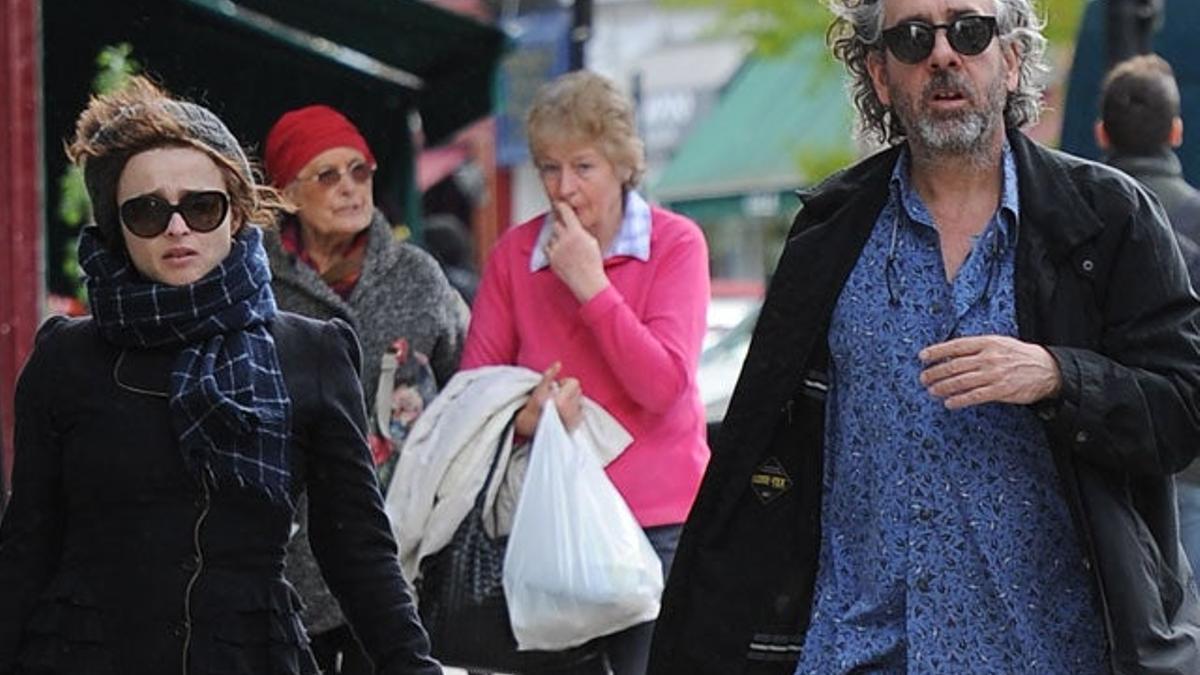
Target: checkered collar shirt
x,y
632,240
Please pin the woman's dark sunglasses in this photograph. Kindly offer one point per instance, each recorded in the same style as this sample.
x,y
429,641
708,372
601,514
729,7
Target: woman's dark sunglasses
x,y
360,172
148,216
912,41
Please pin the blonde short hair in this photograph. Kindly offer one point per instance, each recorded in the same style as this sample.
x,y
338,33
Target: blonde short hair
x,y
587,107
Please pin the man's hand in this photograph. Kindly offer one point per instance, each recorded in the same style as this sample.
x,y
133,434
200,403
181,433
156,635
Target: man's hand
x,y
567,395
575,255
989,369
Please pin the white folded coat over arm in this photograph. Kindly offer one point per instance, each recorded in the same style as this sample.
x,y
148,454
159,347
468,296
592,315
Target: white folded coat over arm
x,y
445,460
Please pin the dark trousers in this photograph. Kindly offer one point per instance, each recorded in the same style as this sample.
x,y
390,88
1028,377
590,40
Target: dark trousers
x,y
626,652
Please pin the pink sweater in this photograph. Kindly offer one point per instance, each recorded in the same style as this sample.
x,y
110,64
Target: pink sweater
x,y
634,348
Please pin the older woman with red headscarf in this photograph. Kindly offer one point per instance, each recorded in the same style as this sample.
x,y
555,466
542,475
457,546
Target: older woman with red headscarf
x,y
337,257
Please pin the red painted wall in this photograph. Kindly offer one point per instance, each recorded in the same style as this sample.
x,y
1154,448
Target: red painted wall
x,y
20,199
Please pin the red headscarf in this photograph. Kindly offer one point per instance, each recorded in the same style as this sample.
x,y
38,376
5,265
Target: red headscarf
x,y
304,133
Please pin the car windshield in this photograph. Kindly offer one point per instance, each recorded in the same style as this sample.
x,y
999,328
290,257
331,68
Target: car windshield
x,y
735,340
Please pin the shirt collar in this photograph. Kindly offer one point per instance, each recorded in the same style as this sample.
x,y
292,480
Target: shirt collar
x,y
633,237
1010,198
904,196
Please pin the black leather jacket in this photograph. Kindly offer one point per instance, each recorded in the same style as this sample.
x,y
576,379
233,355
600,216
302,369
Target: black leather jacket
x,y
1100,282
113,559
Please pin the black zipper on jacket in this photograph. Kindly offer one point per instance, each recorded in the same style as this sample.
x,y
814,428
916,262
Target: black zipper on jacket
x,y
191,585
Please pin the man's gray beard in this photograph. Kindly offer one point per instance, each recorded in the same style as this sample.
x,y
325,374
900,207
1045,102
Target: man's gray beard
x,y
963,135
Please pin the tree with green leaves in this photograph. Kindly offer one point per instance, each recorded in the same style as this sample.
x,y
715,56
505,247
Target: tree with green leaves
x,y
115,65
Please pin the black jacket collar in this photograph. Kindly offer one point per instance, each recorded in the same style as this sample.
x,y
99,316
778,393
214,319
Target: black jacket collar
x,y
835,222
1052,206
1050,198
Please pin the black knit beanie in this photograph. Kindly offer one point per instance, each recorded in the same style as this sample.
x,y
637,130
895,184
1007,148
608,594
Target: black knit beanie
x,y
201,129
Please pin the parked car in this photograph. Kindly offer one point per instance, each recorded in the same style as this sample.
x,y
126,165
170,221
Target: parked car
x,y
720,365
730,301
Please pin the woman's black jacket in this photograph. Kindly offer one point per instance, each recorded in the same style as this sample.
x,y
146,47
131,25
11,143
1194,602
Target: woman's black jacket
x,y
1100,282
113,559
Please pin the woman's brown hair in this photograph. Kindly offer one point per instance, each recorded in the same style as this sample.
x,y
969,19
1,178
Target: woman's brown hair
x,y
141,116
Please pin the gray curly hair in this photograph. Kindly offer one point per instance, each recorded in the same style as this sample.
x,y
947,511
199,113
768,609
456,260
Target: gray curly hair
x,y
857,30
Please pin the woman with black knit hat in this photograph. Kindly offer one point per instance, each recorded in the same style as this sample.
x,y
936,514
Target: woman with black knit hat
x,y
161,444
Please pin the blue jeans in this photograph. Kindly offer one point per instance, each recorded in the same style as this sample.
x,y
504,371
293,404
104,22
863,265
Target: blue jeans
x,y
1188,496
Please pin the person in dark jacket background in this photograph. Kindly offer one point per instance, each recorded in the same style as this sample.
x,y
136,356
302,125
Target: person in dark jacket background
x,y
1139,128
977,367
162,442
449,242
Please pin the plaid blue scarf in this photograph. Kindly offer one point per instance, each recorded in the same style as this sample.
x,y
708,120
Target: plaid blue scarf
x,y
228,403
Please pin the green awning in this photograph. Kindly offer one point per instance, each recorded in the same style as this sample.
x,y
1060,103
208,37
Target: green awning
x,y
737,207
446,59
253,59
781,123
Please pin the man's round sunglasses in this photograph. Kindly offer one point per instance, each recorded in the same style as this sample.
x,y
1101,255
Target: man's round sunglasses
x,y
360,172
912,41
148,216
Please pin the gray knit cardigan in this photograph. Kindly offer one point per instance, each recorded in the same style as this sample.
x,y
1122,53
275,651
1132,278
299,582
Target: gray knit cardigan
x,y
401,293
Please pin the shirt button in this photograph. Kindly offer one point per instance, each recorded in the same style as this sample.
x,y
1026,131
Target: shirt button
x,y
1081,437
1046,414
190,564
1087,265
1087,563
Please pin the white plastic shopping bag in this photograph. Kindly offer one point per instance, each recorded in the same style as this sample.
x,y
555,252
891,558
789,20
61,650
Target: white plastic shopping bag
x,y
577,566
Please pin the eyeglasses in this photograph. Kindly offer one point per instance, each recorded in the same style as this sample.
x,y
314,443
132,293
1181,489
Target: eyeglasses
x,y
148,216
360,172
912,41
993,256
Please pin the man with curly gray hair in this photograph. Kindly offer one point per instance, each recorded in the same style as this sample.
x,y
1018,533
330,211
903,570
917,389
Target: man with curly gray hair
x,y
856,35
977,367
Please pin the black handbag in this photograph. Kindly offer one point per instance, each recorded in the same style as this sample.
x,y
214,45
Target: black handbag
x,y
461,601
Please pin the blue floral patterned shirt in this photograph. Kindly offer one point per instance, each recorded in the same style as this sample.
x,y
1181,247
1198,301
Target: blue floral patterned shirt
x,y
946,543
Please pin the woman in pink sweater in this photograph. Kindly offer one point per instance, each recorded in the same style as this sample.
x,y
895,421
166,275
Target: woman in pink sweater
x,y
607,296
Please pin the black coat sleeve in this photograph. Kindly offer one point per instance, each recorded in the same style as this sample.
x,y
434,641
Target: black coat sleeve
x,y
1132,402
32,530
349,532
